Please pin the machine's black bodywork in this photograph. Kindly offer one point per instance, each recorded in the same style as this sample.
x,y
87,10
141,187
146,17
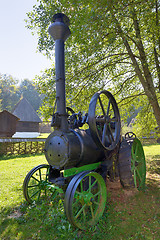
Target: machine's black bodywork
x,y
69,146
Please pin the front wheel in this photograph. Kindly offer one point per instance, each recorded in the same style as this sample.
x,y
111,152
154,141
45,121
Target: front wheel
x,y
34,185
85,199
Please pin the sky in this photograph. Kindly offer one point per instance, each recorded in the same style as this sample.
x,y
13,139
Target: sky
x,y
18,47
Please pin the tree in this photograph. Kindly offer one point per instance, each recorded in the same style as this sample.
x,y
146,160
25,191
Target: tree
x,y
114,45
9,93
28,90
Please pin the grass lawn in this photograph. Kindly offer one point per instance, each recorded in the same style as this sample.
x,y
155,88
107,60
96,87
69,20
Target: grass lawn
x,y
128,214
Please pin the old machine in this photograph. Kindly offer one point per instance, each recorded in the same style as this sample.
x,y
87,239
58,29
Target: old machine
x,y
81,158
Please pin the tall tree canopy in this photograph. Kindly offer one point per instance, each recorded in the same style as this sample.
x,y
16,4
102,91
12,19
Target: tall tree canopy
x,y
11,92
28,90
113,45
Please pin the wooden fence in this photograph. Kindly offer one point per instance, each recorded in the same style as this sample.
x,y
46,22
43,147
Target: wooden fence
x,y
18,146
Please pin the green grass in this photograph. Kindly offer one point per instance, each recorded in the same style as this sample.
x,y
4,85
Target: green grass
x,y
12,173
128,214
152,150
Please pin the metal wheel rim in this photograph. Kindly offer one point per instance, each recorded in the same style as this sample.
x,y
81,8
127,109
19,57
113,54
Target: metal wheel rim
x,y
99,140
138,164
85,207
34,183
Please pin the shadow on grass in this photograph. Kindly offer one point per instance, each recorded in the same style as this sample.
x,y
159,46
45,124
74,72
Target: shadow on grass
x,y
45,221
10,157
36,221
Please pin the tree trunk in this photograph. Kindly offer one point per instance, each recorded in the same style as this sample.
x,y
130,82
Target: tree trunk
x,y
145,77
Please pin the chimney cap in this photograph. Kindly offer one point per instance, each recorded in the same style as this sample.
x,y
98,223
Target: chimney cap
x,y
61,17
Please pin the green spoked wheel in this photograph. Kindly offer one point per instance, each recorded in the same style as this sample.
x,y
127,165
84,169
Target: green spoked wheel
x,y
85,199
35,182
138,164
131,163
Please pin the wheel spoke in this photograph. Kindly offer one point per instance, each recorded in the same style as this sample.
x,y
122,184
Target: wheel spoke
x,y
140,177
91,208
35,185
97,203
82,208
100,101
35,178
39,195
40,176
39,190
84,215
135,178
81,184
95,195
76,202
47,172
110,131
110,140
133,154
108,107
94,183
104,133
80,193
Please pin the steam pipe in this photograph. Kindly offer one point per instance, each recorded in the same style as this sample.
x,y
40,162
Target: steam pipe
x,y
60,31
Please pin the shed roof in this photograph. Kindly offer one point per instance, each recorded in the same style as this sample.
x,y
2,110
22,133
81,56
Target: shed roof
x,y
25,111
9,114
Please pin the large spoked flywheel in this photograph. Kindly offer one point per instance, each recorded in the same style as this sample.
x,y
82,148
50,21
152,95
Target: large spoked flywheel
x,y
85,199
132,164
104,120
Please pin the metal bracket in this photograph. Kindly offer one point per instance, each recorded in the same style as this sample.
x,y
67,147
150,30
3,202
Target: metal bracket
x,y
56,120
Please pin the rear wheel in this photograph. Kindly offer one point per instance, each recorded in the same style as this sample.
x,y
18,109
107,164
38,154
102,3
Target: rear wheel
x,y
132,164
138,164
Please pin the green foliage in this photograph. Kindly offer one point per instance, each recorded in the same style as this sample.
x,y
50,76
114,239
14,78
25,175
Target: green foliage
x,y
11,92
46,87
28,90
113,45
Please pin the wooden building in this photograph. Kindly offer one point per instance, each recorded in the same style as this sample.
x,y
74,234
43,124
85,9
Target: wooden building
x,y
29,120
8,123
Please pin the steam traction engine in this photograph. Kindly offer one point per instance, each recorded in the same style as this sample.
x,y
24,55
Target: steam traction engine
x,y
80,160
